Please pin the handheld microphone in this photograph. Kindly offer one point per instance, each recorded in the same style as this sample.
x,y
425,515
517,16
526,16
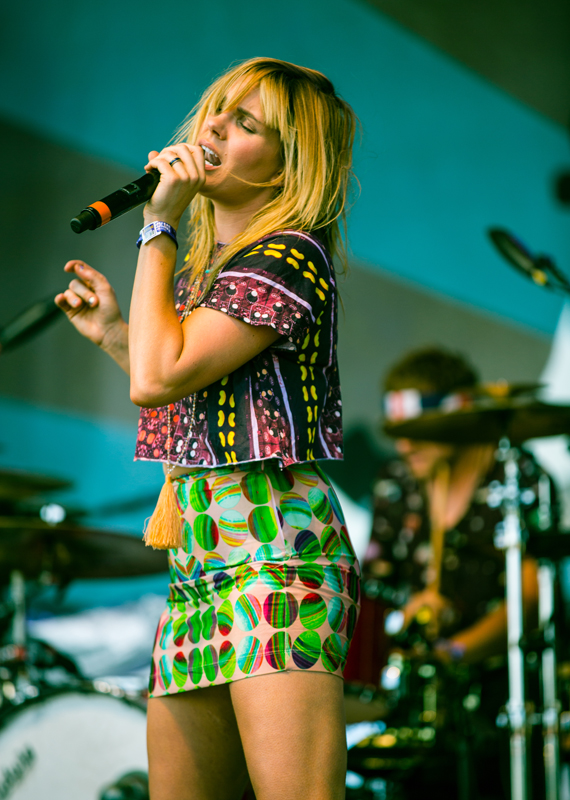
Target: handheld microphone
x,y
125,199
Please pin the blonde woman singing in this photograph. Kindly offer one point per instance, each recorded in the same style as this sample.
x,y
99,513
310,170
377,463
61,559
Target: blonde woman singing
x,y
233,361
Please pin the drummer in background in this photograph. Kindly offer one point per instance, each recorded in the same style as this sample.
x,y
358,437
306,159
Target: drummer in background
x,y
434,485
454,589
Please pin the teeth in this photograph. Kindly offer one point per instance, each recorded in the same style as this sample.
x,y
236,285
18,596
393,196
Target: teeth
x,y
210,157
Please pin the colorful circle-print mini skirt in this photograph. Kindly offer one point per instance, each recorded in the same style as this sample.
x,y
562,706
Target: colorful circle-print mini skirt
x,y
266,580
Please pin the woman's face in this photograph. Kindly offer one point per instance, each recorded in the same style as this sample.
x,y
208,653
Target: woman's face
x,y
237,144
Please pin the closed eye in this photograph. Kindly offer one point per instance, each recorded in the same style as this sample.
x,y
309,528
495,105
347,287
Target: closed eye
x,y
244,123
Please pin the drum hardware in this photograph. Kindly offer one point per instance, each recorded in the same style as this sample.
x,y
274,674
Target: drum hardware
x,y
132,786
52,721
508,537
17,485
430,711
359,788
67,551
6,616
18,597
359,731
510,420
486,421
74,742
549,546
363,703
564,727
550,702
29,667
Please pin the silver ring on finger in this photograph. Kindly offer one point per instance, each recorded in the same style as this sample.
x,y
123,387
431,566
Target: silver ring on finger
x,y
174,160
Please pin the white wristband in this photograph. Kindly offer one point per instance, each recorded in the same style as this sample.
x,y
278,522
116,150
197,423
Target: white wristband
x,y
155,229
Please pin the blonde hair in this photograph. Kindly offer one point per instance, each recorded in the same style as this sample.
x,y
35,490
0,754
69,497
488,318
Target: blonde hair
x,y
316,130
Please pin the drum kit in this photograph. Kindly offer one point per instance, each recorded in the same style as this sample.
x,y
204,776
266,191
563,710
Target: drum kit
x,y
432,705
430,702
62,736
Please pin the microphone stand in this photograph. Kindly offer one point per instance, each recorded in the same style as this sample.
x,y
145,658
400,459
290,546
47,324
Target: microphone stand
x,y
29,323
540,269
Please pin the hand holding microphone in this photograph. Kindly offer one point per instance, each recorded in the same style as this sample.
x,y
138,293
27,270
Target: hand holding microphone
x,y
182,175
172,179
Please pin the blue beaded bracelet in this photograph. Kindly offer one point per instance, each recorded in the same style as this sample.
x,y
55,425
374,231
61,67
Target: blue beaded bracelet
x,y
155,229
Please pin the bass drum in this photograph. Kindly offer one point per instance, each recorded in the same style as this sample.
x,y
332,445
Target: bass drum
x,y
70,745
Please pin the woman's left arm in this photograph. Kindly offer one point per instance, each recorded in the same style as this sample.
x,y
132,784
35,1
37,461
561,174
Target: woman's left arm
x,y
168,360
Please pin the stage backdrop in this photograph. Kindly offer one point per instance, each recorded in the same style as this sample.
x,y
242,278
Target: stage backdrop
x,y
86,91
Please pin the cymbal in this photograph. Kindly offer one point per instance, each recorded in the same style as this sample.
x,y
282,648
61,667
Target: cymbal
x,y
17,484
486,421
69,551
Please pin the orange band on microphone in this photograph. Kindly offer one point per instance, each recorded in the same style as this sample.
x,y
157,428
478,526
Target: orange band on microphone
x,y
103,211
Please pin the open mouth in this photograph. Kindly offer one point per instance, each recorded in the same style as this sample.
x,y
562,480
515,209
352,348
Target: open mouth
x,y
210,157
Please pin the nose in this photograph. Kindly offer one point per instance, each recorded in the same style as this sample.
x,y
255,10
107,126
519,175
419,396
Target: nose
x,y
216,124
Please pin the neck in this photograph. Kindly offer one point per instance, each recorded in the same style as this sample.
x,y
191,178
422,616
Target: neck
x,y
467,469
231,220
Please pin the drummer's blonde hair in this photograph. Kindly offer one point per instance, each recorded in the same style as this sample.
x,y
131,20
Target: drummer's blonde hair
x,y
316,129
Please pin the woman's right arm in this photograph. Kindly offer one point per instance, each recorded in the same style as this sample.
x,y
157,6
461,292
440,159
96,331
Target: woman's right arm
x,y
91,306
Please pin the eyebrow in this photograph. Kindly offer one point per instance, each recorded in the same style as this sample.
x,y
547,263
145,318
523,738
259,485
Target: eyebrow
x,y
248,114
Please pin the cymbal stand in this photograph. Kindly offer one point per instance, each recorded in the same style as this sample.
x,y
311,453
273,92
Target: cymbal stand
x,y
18,596
546,574
508,538
550,705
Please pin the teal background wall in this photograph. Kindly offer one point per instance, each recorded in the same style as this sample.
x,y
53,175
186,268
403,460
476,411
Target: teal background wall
x,y
443,154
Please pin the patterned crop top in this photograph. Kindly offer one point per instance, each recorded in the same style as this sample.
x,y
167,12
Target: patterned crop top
x,y
284,403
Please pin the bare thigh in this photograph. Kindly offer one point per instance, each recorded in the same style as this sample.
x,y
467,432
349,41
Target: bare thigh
x,y
194,747
293,734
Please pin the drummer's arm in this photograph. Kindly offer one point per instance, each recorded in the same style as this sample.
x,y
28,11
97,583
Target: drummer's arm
x,y
488,636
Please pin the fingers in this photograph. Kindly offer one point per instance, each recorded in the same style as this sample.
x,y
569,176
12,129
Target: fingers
x,y
83,289
72,301
83,292
69,303
182,175
61,301
192,161
94,280
190,166
151,156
